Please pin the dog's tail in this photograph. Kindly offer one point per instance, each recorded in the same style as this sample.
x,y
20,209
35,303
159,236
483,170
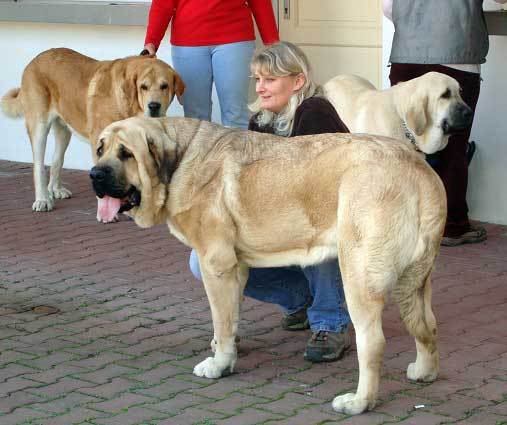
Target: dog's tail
x,y
11,103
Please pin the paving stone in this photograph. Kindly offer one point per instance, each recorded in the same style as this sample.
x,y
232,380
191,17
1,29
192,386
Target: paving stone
x,y
191,416
289,404
61,387
483,417
169,388
54,374
234,403
75,416
115,405
182,401
458,406
401,406
494,390
16,384
23,415
16,400
249,416
132,416
61,405
111,389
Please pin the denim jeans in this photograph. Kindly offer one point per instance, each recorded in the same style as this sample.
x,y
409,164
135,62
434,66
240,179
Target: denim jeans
x,y
293,287
228,66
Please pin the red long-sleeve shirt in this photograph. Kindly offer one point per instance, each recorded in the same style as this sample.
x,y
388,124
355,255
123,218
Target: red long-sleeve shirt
x,y
210,22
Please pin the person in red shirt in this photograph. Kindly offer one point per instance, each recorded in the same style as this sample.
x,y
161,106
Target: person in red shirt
x,y
212,42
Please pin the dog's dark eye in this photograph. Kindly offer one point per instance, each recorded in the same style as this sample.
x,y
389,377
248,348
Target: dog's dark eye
x,y
446,94
144,87
100,149
125,153
164,86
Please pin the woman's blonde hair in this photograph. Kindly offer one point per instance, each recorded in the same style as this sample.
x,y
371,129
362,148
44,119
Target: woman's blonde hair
x,y
280,60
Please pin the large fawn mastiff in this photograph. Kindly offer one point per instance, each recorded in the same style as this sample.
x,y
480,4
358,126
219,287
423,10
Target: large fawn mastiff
x,y
243,199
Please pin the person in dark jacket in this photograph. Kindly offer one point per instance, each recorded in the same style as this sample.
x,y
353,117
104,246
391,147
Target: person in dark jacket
x,y
291,104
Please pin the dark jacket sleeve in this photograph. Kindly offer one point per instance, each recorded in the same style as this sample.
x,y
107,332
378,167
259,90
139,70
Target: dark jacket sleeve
x,y
254,126
316,115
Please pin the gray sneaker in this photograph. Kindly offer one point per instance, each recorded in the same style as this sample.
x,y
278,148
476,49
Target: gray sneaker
x,y
297,321
475,234
326,346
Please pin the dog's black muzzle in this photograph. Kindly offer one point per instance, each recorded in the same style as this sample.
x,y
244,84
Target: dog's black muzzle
x,y
154,109
459,120
105,183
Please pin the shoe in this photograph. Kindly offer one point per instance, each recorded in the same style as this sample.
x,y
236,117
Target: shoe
x,y
297,321
471,147
326,346
473,235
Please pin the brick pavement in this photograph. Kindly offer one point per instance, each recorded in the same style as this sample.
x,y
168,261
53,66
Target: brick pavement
x,y
102,324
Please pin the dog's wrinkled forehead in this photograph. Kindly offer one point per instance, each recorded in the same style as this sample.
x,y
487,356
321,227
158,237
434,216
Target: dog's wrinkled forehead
x,y
118,136
155,76
446,86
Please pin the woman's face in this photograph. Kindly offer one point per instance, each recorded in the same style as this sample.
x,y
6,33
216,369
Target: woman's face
x,y
275,92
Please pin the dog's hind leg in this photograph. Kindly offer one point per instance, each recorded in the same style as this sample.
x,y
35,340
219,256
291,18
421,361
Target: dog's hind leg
x,y
416,312
365,308
38,129
224,280
62,139
369,271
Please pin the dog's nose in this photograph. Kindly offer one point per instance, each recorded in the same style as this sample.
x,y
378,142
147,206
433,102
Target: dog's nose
x,y
154,106
97,174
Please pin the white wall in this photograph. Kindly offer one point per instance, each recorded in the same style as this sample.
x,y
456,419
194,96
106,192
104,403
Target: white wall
x,y
20,42
487,180
487,191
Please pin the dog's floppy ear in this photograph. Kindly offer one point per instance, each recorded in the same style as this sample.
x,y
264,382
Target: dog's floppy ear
x,y
165,160
155,169
416,115
127,91
179,87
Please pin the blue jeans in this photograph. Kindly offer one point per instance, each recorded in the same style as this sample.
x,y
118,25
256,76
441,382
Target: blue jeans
x,y
228,65
293,287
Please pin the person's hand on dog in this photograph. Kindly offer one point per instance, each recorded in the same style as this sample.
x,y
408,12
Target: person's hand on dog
x,y
149,50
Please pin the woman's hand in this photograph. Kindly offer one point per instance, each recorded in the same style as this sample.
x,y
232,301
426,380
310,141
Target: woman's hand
x,y
149,50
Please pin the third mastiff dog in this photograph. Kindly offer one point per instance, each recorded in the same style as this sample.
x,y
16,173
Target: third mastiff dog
x,y
425,110
243,199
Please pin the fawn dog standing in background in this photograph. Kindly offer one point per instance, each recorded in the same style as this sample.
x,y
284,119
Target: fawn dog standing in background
x,y
69,92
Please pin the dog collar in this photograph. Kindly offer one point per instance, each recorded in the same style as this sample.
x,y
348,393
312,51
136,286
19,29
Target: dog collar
x,y
409,135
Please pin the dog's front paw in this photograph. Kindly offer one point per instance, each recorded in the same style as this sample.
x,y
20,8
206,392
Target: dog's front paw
x,y
43,204
351,404
211,368
60,192
417,373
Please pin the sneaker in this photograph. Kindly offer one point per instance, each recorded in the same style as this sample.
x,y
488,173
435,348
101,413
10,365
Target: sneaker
x,y
326,346
471,147
297,321
473,235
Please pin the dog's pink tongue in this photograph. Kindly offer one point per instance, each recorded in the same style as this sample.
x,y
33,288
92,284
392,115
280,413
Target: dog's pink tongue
x,y
108,208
